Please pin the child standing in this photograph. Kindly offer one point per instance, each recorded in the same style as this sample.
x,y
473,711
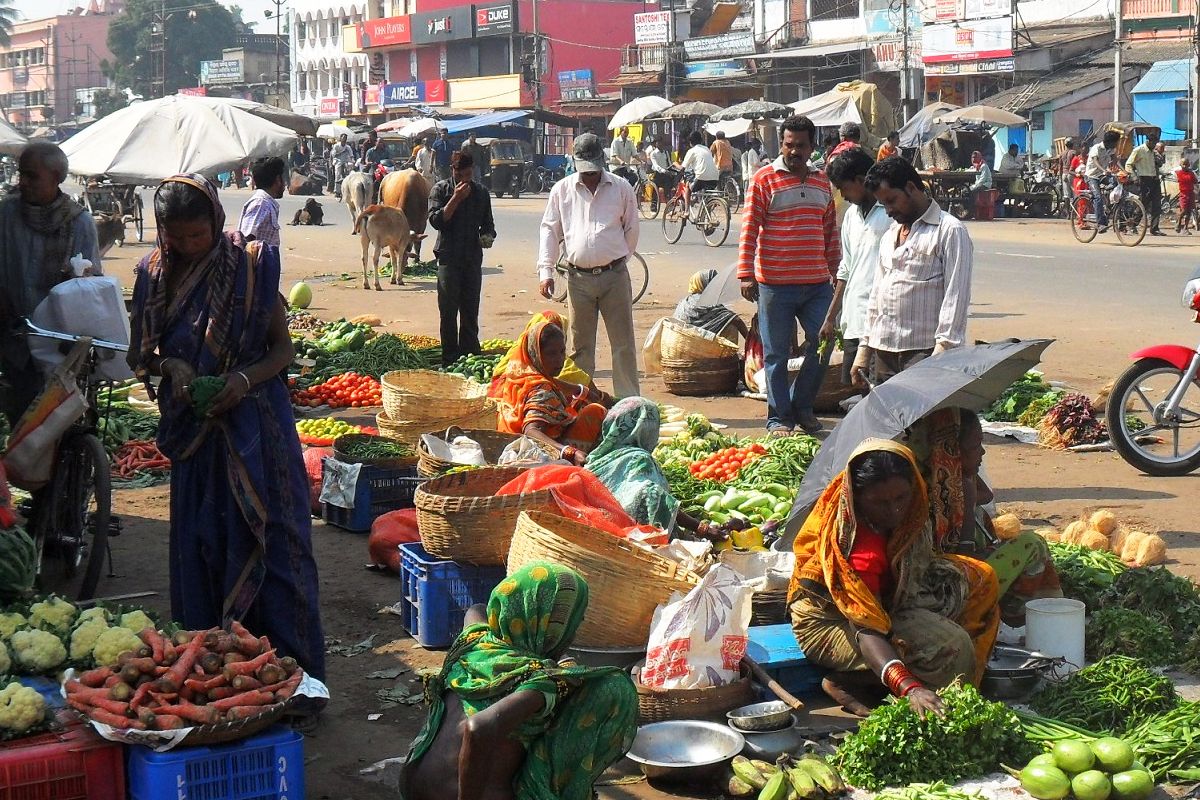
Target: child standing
x,y
1186,177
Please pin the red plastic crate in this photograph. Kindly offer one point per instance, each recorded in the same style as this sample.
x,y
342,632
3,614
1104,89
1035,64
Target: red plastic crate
x,y
73,764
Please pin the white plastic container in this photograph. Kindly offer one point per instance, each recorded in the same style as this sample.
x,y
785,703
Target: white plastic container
x,y
1054,626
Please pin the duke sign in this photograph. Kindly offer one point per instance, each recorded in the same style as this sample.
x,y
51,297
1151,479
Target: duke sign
x,y
494,19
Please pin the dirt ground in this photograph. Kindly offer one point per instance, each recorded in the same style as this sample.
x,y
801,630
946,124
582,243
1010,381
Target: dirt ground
x,y
1031,280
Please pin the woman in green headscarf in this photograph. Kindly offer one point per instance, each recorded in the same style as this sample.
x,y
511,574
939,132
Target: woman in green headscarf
x,y
507,719
623,462
716,318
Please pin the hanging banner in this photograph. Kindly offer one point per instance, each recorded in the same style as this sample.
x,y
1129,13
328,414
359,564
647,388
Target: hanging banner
x,y
653,27
384,32
967,41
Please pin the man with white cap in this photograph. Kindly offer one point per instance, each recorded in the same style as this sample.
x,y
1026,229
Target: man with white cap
x,y
592,215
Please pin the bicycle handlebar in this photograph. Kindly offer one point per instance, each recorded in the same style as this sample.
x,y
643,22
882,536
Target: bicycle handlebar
x,y
99,344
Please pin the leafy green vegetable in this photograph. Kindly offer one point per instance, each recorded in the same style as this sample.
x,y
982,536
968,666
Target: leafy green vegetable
x,y
1039,408
1014,400
1158,594
1114,694
1085,573
1122,631
203,389
894,746
1167,743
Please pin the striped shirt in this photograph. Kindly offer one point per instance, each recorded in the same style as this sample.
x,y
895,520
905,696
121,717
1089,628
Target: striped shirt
x,y
789,230
260,218
922,290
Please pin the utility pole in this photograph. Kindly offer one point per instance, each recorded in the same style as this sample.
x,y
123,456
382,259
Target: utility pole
x,y
158,52
1117,84
278,35
537,60
905,70
1195,81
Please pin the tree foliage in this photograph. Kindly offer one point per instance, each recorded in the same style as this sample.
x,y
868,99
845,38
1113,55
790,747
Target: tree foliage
x,y
107,102
196,30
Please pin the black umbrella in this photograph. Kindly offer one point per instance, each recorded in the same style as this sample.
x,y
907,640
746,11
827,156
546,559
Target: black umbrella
x,y
964,377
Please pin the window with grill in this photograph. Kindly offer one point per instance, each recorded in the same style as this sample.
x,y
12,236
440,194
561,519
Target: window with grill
x,y
833,9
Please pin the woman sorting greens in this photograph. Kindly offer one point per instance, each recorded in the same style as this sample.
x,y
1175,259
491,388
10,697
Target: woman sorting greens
x,y
564,417
507,718
716,318
623,462
874,601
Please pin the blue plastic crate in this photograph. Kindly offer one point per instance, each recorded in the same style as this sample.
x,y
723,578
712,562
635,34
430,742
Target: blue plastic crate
x,y
775,649
269,766
438,593
50,690
378,491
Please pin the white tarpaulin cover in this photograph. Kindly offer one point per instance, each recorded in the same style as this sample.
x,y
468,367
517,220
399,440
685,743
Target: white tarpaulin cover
x,y
731,128
305,126
11,142
331,131
830,109
155,139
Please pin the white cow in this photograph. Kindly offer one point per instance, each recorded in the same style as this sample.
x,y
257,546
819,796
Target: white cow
x,y
384,226
356,194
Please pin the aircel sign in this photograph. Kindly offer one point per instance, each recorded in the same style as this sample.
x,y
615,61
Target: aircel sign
x,y
495,19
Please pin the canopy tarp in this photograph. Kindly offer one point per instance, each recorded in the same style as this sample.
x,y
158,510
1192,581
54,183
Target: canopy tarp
x,y
924,125
11,142
483,120
853,101
829,109
731,127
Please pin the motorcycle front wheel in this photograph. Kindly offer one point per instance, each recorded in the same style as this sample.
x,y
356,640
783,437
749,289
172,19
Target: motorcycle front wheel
x,y
1139,427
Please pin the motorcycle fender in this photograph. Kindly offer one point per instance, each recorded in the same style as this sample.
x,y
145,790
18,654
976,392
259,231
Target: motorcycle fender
x,y
1176,355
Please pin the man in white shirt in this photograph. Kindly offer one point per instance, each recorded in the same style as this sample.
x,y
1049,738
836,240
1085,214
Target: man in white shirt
x,y
699,161
592,217
260,215
1101,161
423,161
659,162
918,305
624,156
341,155
863,228
1011,162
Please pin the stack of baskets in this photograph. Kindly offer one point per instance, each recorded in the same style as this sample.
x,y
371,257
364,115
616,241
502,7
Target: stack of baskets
x,y
460,518
490,441
625,583
419,400
696,362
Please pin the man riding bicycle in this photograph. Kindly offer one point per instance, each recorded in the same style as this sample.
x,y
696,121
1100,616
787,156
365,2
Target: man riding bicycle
x,y
624,157
700,162
1101,162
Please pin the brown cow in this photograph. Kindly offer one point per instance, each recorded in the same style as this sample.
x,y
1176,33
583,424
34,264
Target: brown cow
x,y
408,191
385,227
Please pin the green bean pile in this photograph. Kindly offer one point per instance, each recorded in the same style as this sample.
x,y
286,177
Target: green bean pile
x,y
384,353
927,791
1169,743
375,448
786,461
1044,730
1114,694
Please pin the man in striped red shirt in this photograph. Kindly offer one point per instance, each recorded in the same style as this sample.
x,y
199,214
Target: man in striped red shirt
x,y
788,255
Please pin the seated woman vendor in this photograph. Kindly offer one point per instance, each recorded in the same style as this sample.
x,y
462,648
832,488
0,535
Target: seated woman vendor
x,y
570,372
948,445
564,417
873,600
717,318
623,462
507,718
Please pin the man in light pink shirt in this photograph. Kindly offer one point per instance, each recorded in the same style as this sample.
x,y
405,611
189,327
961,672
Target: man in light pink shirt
x,y
591,218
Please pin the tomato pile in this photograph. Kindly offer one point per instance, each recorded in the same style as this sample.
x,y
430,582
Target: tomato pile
x,y
724,465
350,390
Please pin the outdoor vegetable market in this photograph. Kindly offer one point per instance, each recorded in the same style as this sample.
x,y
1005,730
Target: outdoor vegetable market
x,y
1071,692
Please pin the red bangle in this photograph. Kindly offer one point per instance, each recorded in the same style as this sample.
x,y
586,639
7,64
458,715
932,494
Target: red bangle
x,y
899,680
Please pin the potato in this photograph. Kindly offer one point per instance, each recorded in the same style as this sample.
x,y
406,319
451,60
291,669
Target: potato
x,y
1050,534
1133,540
1116,539
1151,551
1094,539
1007,526
1103,521
1073,533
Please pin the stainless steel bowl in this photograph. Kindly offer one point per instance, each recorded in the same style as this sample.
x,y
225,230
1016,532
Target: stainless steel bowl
x,y
770,745
1013,673
685,750
769,716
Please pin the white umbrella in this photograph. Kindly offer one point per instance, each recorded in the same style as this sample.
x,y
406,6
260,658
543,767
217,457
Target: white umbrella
x,y
331,131
637,110
412,129
305,126
731,128
11,142
983,115
152,140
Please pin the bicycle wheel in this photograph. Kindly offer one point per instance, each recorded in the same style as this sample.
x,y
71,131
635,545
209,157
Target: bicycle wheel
x,y
78,533
732,191
533,182
139,221
1129,221
647,199
1082,217
715,221
675,216
639,275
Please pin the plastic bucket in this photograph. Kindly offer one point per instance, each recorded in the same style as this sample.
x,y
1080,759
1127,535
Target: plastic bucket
x,y
1054,626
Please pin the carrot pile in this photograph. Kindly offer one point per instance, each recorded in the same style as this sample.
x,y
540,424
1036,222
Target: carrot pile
x,y
135,457
192,678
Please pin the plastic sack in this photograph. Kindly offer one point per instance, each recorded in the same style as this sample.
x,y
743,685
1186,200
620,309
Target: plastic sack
x,y
692,556
652,349
460,450
765,572
697,641
92,306
313,456
523,451
388,532
755,362
33,443
340,483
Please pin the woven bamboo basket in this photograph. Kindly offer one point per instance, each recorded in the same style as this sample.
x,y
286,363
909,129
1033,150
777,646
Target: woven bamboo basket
x,y
422,394
659,705
410,430
460,517
701,377
625,582
492,443
681,341
339,452
769,608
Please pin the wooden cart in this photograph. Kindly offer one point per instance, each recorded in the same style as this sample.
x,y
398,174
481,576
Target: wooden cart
x,y
121,200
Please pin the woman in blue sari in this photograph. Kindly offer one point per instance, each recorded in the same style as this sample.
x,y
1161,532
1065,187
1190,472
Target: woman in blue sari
x,y
207,303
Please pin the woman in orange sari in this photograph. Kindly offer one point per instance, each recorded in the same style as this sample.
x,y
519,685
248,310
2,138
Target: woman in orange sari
x,y
562,416
873,600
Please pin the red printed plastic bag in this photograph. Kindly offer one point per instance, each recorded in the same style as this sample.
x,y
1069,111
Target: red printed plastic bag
x,y
313,457
753,355
697,641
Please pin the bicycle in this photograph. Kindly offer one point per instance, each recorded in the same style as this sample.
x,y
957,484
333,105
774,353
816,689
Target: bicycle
x,y
1125,213
74,521
731,188
708,212
635,265
542,179
646,192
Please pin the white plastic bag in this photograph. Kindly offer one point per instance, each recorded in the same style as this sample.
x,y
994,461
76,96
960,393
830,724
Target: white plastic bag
x,y
698,641
340,483
652,349
465,450
766,572
89,306
523,451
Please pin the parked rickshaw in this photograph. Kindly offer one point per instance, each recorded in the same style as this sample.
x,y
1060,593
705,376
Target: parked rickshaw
x,y
1132,135
102,196
509,162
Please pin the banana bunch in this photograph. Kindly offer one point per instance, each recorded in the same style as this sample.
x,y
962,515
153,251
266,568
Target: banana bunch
x,y
806,778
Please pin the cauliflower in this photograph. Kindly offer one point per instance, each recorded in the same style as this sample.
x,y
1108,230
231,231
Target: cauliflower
x,y
9,623
20,707
5,660
37,651
136,621
95,612
111,643
83,639
52,614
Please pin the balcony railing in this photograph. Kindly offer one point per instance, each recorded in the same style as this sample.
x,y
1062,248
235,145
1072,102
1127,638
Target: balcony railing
x,y
790,34
1143,9
646,57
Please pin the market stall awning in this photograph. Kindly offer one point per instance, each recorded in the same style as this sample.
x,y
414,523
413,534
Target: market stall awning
x,y
483,120
829,109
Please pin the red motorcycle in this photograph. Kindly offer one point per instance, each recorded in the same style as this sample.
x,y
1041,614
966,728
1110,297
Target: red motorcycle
x,y
1153,413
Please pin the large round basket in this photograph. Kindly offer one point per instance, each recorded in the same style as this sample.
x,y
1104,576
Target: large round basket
x,y
701,377
410,430
341,443
769,608
422,394
681,341
492,443
657,705
460,517
625,582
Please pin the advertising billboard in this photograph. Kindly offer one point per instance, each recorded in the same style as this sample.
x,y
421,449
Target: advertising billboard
x,y
976,40
220,72
384,32
653,27
443,25
495,19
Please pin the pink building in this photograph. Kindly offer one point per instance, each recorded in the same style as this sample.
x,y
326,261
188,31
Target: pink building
x,y
51,62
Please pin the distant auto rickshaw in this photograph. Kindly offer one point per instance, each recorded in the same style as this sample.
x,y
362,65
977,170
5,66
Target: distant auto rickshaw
x,y
1132,135
509,161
